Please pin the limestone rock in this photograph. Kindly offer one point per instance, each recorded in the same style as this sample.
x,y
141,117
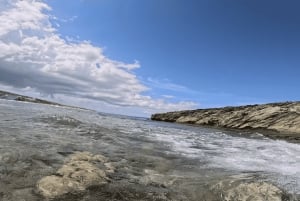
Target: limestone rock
x,y
284,118
80,171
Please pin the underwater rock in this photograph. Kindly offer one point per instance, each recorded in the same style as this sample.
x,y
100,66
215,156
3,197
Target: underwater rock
x,y
247,191
80,171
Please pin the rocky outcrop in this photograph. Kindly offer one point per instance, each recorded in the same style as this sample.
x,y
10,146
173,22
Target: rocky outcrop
x,y
80,171
235,190
280,117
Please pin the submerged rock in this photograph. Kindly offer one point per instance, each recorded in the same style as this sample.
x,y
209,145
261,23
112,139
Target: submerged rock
x,y
236,190
80,171
281,117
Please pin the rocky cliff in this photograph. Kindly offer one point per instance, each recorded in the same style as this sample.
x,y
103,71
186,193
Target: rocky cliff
x,y
283,118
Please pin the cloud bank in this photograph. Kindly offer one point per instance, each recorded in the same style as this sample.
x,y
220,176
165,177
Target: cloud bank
x,y
33,55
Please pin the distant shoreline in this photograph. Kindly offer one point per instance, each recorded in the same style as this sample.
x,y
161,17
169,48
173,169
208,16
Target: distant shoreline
x,y
274,120
12,96
17,97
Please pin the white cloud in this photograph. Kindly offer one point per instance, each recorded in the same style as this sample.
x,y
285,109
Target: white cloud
x,y
167,85
168,96
34,56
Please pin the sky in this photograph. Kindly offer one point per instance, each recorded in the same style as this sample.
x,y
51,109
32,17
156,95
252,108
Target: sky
x,y
137,57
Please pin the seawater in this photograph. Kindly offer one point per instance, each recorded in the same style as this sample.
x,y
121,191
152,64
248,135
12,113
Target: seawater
x,y
35,139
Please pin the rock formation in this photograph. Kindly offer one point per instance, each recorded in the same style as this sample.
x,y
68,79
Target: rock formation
x,y
232,190
80,171
281,117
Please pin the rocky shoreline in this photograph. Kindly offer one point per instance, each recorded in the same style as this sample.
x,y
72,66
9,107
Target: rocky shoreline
x,y
279,120
67,154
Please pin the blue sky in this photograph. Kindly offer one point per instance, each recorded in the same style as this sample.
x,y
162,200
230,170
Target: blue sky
x,y
225,52
199,53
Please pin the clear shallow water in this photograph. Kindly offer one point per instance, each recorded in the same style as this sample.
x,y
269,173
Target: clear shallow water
x,y
35,139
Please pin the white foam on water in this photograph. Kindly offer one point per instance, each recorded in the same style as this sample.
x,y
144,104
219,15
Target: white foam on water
x,y
276,158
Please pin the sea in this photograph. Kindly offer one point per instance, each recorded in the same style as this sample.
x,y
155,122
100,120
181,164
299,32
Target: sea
x,y
153,160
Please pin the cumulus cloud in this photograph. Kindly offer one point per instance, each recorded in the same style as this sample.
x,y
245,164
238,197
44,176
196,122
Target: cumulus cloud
x,y
33,55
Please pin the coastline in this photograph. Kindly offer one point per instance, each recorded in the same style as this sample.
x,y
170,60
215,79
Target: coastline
x,y
21,98
60,153
273,120
17,97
